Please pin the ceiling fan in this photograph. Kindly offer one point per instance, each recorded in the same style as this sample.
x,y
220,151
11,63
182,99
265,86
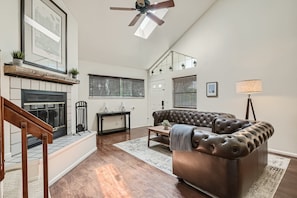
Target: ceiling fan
x,y
145,7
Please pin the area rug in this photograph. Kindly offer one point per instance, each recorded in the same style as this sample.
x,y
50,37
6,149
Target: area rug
x,y
159,156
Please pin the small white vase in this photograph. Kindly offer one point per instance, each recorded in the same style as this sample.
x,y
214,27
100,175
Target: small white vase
x,y
18,62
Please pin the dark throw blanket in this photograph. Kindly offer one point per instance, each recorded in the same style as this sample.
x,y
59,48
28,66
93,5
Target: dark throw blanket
x,y
181,137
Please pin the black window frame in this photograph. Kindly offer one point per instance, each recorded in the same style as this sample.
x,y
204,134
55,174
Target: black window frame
x,y
118,87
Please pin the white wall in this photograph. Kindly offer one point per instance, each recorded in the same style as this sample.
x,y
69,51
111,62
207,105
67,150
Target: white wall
x,y
10,39
138,107
238,40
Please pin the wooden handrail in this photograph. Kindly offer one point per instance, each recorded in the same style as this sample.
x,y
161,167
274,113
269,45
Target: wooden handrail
x,y
16,115
29,124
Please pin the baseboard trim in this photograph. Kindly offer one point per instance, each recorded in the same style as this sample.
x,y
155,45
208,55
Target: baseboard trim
x,y
289,154
65,159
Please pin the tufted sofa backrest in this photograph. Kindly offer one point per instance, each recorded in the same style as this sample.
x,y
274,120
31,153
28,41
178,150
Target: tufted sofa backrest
x,y
229,125
201,119
196,118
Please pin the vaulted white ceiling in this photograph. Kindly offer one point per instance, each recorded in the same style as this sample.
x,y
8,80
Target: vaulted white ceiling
x,y
105,37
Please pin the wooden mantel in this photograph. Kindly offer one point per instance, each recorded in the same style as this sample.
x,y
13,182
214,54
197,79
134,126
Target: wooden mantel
x,y
13,70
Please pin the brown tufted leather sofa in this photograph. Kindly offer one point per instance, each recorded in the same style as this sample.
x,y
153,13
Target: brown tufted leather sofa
x,y
196,118
228,154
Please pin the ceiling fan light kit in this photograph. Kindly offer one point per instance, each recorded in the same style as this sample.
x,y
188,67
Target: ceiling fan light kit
x,y
145,7
140,3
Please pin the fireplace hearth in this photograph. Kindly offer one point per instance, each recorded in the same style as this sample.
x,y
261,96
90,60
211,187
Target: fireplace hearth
x,y
49,107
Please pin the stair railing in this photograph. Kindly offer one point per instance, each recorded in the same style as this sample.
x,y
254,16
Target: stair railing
x,y
29,124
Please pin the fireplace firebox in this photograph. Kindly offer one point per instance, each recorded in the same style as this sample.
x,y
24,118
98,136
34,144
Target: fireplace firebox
x,y
49,107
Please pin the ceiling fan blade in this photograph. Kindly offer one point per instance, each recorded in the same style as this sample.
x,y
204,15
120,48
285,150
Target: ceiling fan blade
x,y
160,5
154,18
135,19
119,8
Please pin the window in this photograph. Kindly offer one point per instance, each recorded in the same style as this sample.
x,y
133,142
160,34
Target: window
x,y
185,92
173,61
147,26
109,86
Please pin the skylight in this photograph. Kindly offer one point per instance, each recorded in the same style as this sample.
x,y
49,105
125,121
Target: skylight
x,y
147,26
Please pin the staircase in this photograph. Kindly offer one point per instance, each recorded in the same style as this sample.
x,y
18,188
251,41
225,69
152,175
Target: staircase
x,y
12,185
18,180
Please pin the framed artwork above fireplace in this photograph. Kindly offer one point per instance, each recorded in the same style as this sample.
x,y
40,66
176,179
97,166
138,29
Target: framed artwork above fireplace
x,y
44,35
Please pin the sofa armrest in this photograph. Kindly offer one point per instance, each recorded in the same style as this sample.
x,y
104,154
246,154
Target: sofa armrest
x,y
235,145
161,115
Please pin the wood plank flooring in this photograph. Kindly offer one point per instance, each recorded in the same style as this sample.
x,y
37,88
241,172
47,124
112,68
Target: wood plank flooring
x,y
111,172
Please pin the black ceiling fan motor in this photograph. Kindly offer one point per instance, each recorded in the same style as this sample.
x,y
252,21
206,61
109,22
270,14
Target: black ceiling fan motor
x,y
142,9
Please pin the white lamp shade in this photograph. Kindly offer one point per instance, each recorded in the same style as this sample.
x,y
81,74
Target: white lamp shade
x,y
249,86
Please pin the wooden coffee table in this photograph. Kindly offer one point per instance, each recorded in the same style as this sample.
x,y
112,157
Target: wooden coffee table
x,y
162,135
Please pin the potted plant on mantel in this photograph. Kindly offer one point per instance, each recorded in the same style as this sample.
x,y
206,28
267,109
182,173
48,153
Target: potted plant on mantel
x,y
17,58
74,72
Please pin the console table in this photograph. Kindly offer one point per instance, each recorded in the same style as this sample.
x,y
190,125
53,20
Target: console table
x,y
100,118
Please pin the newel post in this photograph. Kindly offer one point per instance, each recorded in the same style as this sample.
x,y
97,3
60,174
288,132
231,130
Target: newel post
x,y
24,159
45,165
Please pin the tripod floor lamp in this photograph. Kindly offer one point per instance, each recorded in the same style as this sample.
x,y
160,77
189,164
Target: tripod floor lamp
x,y
249,87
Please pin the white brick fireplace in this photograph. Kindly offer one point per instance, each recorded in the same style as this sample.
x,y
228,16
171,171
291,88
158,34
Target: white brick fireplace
x,y
16,84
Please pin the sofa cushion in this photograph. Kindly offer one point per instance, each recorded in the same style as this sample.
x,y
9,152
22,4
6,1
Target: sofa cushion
x,y
203,129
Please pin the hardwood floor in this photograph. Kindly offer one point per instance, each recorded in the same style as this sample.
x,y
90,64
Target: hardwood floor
x,y
111,172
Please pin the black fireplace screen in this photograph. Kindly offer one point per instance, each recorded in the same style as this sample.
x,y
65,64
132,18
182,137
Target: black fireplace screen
x,y
49,107
51,113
